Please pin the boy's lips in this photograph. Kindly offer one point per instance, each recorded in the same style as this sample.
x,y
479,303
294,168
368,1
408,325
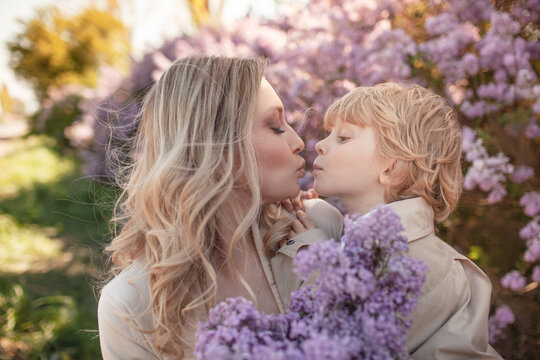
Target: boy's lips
x,y
316,169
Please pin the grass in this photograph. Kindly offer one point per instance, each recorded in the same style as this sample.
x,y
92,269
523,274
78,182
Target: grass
x,y
53,224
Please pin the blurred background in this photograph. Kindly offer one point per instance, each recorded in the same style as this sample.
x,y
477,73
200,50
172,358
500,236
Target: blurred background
x,y
72,74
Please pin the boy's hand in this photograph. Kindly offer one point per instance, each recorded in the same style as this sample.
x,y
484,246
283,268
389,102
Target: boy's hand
x,y
302,223
296,204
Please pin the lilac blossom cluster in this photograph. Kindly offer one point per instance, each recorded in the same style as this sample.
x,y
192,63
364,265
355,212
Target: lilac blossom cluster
x,y
488,173
358,308
514,279
502,317
531,232
464,56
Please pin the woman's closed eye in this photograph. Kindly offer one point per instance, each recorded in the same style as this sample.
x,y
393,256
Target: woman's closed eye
x,y
278,130
343,139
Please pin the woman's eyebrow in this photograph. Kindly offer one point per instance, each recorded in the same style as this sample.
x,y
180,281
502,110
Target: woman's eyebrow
x,y
278,108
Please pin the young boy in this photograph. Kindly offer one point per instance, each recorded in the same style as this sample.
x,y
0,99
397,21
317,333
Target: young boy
x,y
401,145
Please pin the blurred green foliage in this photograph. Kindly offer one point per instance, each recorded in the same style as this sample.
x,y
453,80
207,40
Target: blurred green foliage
x,y
62,114
53,224
55,49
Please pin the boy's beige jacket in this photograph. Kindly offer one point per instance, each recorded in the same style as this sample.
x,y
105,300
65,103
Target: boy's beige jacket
x,y
450,321
124,302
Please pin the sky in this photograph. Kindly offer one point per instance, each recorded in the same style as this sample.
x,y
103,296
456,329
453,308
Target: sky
x,y
152,22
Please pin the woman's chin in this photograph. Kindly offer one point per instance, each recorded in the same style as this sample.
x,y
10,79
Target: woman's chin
x,y
270,199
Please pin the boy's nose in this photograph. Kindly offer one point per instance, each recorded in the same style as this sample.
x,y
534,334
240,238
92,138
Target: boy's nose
x,y
319,147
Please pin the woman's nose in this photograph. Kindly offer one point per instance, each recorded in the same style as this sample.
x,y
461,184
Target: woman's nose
x,y
297,143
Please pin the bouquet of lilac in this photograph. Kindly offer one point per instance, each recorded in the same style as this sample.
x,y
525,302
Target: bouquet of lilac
x,y
359,307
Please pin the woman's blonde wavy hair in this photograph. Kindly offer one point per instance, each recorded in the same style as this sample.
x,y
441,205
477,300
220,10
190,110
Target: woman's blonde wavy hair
x,y
194,172
416,128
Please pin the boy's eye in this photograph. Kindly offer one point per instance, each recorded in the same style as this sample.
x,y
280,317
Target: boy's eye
x,y
278,130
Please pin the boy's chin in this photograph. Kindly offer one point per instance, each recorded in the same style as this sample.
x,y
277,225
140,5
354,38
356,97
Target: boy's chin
x,y
321,190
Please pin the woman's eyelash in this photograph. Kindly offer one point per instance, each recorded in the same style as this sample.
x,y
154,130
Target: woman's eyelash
x,y
343,138
278,130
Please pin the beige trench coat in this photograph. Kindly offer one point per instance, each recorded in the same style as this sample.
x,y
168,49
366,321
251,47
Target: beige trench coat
x,y
450,321
122,308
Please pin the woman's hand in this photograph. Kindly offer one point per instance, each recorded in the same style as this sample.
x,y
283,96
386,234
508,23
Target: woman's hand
x,y
301,224
296,204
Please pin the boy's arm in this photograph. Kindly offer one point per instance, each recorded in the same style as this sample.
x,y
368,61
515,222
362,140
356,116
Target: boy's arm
x,y
329,222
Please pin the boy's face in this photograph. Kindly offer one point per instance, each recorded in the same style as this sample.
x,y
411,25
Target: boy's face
x,y
347,165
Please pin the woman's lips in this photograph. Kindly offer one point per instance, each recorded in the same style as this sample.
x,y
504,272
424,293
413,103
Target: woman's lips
x,y
301,170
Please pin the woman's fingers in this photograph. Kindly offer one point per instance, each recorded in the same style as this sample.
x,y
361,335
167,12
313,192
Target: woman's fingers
x,y
305,219
297,202
288,205
298,227
302,223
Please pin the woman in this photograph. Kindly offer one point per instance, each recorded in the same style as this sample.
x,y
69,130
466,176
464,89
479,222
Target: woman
x,y
212,153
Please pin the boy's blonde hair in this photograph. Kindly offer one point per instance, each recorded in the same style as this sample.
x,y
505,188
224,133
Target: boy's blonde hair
x,y
416,128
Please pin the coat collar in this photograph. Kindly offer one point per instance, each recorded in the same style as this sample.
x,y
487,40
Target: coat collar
x,y
416,216
258,233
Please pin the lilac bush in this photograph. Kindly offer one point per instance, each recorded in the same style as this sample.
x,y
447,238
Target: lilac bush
x,y
358,308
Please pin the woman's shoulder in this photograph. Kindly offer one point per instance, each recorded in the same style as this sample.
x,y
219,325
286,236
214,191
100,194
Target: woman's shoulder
x,y
125,317
129,290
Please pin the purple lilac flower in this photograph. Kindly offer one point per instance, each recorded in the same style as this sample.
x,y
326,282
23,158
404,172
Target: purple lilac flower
x,y
306,182
533,130
531,202
533,250
502,317
447,47
522,174
513,281
359,307
536,274
527,11
470,64
473,11
488,173
497,193
536,96
530,231
473,109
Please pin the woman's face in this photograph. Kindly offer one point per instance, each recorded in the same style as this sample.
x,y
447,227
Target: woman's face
x,y
277,147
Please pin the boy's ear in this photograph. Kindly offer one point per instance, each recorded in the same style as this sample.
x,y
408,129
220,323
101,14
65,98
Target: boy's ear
x,y
386,176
